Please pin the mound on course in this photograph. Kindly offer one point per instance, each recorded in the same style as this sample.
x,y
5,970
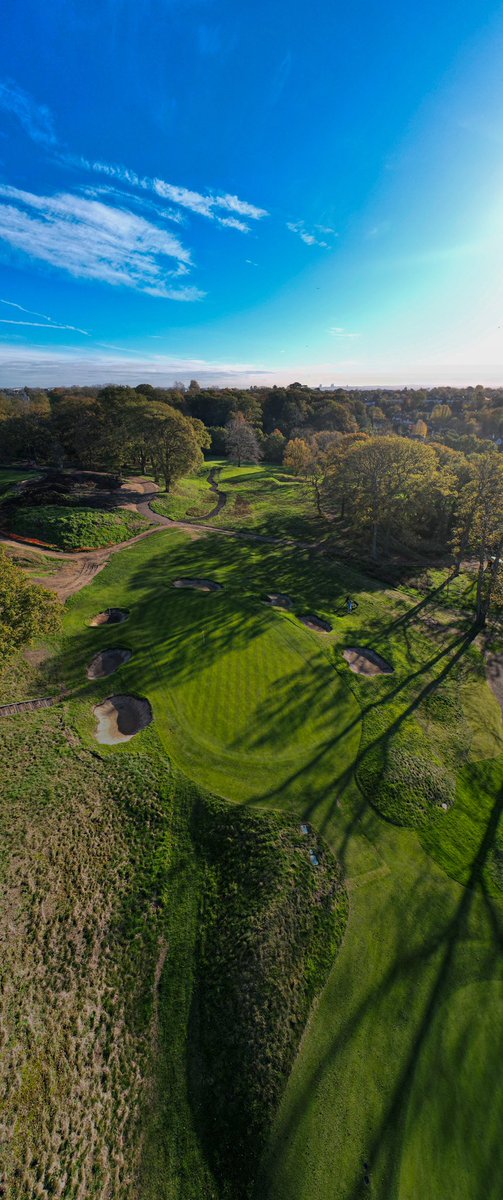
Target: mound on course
x,y
120,717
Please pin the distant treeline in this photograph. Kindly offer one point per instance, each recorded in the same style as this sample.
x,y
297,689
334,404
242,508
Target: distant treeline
x,y
66,423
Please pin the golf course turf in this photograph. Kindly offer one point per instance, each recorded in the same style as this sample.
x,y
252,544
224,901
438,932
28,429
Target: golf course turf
x,y
395,1090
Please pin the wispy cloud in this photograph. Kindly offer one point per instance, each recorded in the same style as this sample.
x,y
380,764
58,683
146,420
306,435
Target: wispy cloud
x,y
35,118
91,240
340,332
48,322
307,236
203,204
42,325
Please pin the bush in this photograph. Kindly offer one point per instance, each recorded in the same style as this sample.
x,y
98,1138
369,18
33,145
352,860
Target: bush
x,y
75,528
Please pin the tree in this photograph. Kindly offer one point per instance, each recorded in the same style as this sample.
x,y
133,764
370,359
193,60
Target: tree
x,y
241,441
386,480
27,610
310,460
420,429
175,442
274,446
480,527
298,456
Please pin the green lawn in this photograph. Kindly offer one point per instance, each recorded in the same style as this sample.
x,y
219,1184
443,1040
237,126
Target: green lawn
x,y
264,498
399,1064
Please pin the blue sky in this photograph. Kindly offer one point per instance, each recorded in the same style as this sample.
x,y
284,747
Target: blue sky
x,y
253,192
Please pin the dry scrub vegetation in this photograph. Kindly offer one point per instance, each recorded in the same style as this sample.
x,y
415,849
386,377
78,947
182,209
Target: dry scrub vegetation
x,y
78,949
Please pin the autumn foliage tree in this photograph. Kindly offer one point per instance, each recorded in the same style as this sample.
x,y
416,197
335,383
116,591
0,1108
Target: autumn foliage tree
x,y
27,610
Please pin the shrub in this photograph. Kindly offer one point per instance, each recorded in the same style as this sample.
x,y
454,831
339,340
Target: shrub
x,y
75,528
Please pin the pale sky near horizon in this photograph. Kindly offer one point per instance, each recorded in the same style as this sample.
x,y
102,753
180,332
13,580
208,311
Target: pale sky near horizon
x,y
251,193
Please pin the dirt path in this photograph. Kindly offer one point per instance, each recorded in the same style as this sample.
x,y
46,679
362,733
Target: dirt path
x,y
221,496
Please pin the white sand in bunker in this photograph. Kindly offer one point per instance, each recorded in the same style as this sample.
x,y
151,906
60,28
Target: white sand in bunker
x,y
120,717
107,662
111,616
366,662
279,600
316,623
198,585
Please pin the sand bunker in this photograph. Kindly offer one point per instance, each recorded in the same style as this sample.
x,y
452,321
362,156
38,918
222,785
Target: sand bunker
x,y
111,616
316,623
107,662
198,585
366,662
279,600
120,717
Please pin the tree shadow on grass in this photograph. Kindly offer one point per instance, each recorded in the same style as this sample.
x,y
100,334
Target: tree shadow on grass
x,y
408,965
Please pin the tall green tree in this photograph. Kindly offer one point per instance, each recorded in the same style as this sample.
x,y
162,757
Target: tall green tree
x,y
386,480
175,442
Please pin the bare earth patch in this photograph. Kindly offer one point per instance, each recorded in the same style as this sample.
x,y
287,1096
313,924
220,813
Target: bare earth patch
x,y
36,657
494,671
107,662
111,616
120,717
317,623
366,662
198,585
279,600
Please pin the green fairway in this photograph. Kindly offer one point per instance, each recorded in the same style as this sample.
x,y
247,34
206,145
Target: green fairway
x,y
246,700
396,1068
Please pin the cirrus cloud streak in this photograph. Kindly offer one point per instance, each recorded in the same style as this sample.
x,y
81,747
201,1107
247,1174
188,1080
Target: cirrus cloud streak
x,y
92,240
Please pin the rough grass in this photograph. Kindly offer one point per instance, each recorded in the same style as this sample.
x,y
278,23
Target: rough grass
x,y
76,528
81,884
271,924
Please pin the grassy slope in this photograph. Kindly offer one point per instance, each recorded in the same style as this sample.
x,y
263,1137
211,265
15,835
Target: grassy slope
x,y
75,528
264,498
417,940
